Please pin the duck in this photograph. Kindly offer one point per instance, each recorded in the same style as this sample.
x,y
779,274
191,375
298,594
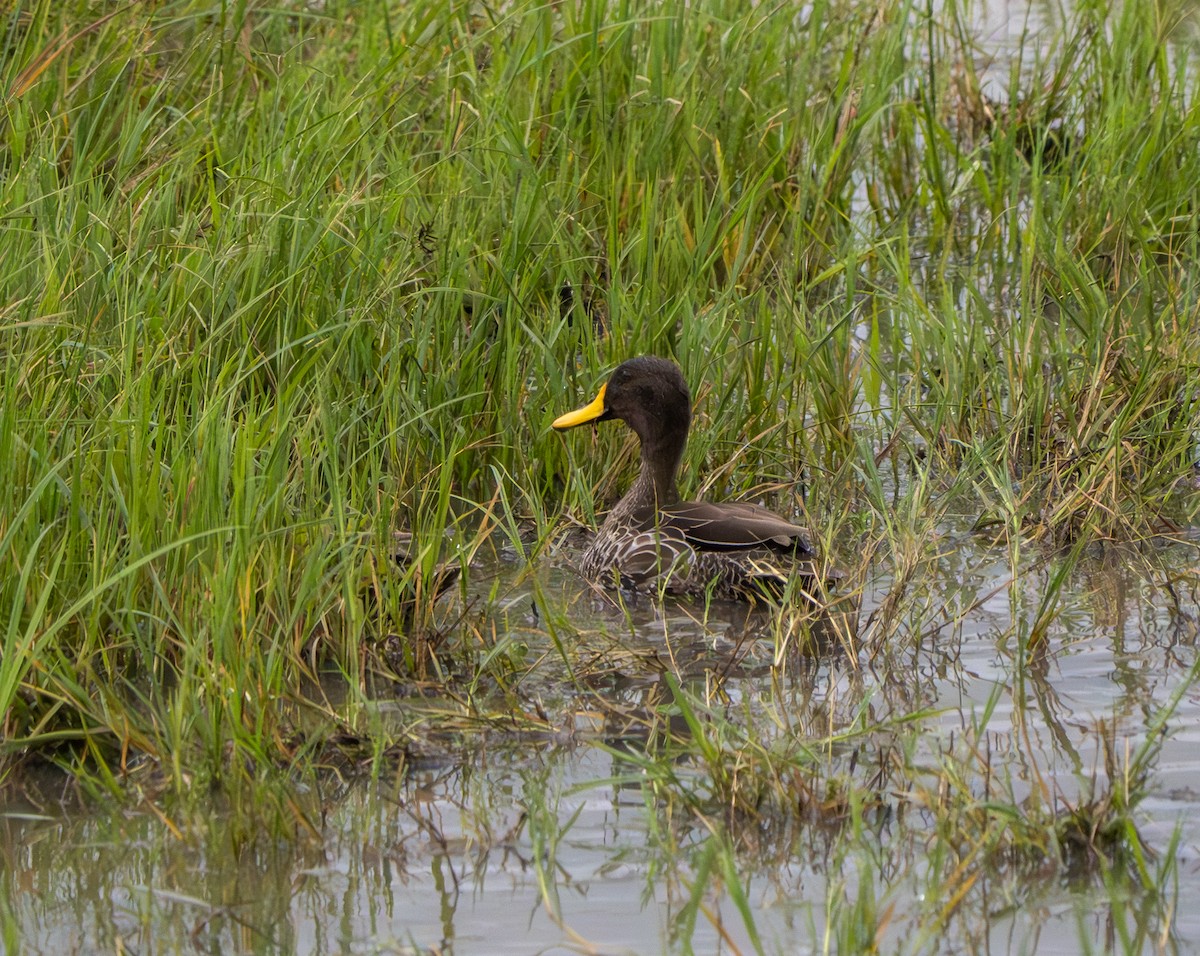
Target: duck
x,y
652,540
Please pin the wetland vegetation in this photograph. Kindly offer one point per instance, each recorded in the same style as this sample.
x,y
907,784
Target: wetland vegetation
x,y
278,280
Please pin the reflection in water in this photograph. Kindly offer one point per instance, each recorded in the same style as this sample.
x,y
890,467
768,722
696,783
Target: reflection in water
x,y
447,863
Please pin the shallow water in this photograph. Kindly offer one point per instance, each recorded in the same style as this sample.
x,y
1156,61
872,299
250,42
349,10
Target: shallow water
x,y
553,842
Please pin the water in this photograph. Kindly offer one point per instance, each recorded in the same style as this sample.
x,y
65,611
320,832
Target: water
x,y
519,841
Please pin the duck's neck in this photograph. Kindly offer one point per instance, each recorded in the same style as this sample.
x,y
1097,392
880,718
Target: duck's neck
x,y
654,487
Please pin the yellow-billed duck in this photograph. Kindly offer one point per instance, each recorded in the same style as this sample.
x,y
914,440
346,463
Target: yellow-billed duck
x,y
652,540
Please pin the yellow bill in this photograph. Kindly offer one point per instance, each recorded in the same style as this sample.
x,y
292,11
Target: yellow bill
x,y
581,416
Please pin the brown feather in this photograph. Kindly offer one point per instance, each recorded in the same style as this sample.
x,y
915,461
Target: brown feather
x,y
730,525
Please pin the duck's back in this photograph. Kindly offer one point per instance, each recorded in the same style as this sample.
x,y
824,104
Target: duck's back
x,y
733,526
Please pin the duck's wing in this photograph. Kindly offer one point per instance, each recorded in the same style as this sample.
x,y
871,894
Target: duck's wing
x,y
733,525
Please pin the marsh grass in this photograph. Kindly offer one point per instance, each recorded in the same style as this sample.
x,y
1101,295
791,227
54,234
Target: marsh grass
x,y
277,280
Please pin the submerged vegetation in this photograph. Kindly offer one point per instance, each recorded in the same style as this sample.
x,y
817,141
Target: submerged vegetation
x,y
280,279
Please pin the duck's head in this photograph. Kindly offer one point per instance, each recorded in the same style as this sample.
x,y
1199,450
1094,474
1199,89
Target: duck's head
x,y
648,394
651,397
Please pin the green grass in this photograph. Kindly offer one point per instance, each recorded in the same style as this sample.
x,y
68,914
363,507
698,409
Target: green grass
x,y
277,279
